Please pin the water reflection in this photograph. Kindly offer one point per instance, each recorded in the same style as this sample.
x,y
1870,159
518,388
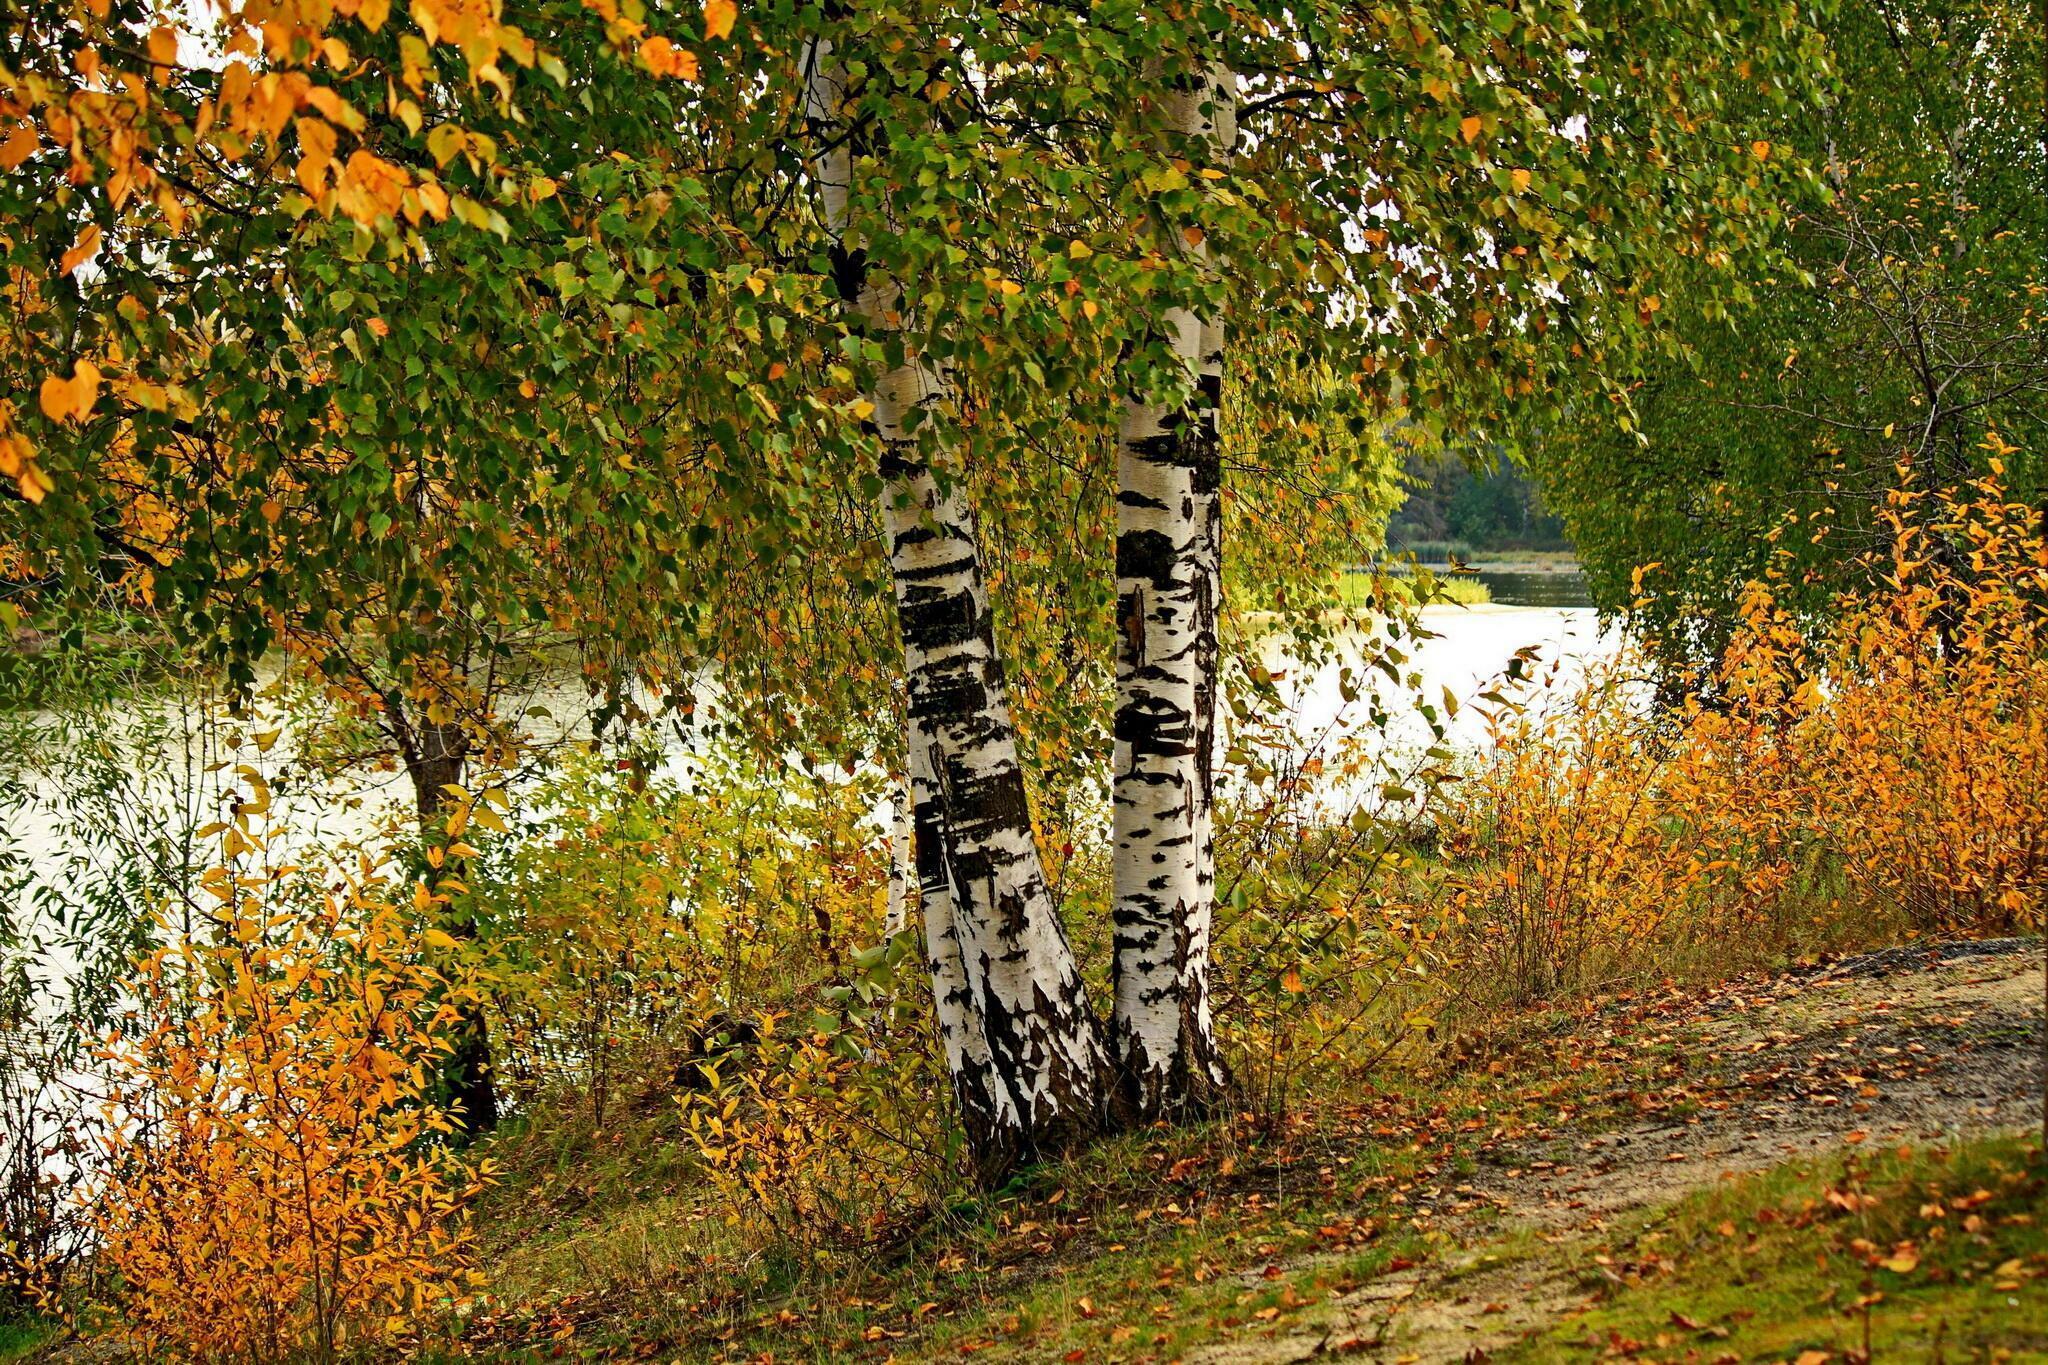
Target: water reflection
x,y
1537,588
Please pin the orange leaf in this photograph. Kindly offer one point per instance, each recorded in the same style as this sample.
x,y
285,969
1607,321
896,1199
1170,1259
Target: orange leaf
x,y
88,242
1469,126
20,146
664,58
718,18
55,397
163,45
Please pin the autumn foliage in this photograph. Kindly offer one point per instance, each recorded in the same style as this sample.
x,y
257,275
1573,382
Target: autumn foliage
x,y
278,1182
1823,785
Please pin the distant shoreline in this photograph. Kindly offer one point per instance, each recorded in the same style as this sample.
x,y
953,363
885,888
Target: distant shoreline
x,y
1543,566
1507,562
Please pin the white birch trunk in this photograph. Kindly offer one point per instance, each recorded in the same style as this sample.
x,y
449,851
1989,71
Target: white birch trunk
x,y
902,872
1020,1042
1169,587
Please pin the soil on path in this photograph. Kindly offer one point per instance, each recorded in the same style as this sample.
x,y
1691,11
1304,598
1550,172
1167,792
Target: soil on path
x,y
1916,1045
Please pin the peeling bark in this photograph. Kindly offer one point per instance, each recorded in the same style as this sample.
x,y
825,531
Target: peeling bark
x,y
1169,587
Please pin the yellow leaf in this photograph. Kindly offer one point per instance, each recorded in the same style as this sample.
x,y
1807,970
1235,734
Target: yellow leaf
x,y
19,147
433,198
56,398
71,399
1079,250
718,18
1520,179
335,109
88,242
317,143
33,483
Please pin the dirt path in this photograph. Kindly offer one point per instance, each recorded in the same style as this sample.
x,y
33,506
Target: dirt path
x,y
1894,1047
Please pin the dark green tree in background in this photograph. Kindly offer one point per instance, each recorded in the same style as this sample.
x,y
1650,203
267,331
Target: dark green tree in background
x,y
1910,328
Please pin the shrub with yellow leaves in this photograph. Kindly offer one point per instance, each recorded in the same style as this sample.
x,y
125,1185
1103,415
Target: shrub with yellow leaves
x,y
831,1135
714,950
276,1180
1831,787
1929,758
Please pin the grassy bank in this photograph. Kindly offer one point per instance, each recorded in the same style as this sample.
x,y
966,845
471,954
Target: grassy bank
x,y
1907,1253
1383,1207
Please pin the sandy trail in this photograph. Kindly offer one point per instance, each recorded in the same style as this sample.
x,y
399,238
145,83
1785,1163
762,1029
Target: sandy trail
x,y
1895,1047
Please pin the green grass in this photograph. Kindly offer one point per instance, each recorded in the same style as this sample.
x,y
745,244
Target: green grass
x,y
1779,1264
19,1337
1138,1238
613,1244
1354,589
1145,1243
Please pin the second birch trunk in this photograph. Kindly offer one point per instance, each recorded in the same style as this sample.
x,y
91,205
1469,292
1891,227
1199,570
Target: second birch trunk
x,y
1169,588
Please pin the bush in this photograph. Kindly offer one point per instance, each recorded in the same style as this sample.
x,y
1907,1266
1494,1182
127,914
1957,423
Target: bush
x,y
717,950
1882,776
276,1181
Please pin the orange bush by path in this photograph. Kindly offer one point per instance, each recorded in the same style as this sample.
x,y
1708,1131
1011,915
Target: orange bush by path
x,y
1930,762
277,1181
1881,775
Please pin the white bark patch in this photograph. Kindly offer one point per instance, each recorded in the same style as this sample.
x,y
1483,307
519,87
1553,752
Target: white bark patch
x,y
1019,968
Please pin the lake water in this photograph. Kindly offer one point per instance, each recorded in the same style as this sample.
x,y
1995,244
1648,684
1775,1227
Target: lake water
x,y
1536,587
170,769
1460,652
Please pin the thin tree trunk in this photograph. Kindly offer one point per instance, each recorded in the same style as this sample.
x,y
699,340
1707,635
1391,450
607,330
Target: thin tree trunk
x,y
902,867
435,753
1020,1042
1169,587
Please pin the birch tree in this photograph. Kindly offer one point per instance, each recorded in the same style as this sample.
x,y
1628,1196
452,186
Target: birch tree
x,y
591,304
1021,1042
1169,572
